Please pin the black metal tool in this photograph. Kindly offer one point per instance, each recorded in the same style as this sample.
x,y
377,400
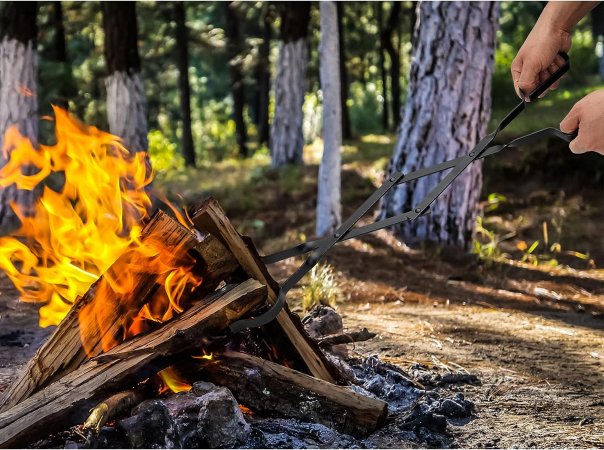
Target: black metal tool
x,y
346,231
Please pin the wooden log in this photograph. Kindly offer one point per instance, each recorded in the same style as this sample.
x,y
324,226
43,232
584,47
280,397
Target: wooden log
x,y
269,388
210,217
66,401
69,346
113,406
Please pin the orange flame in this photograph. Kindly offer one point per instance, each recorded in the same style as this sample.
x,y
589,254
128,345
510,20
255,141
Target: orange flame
x,y
88,214
171,381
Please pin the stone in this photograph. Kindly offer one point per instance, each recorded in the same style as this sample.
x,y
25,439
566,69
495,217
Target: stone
x,y
220,421
323,321
203,387
150,426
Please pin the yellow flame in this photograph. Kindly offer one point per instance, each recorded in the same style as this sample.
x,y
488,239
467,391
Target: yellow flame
x,y
171,381
79,227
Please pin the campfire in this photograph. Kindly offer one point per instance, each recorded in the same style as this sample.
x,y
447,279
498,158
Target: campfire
x,y
142,302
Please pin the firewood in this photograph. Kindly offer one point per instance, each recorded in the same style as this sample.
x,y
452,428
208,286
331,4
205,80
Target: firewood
x,y
67,347
269,388
65,402
209,216
112,406
346,338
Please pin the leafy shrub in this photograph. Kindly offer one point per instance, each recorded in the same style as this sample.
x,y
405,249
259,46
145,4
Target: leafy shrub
x,y
322,288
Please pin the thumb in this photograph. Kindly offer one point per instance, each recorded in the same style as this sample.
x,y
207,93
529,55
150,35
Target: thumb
x,y
529,77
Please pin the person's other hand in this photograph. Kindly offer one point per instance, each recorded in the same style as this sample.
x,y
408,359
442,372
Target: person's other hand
x,y
538,57
587,116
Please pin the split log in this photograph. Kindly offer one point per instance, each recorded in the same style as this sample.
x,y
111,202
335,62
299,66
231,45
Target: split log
x,y
68,346
210,217
66,401
269,388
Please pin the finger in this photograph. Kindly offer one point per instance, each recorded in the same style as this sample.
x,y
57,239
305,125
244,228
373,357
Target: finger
x,y
516,70
570,123
543,76
529,78
577,146
559,61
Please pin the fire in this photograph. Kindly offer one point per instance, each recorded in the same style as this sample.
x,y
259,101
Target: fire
x,y
171,381
93,198
207,357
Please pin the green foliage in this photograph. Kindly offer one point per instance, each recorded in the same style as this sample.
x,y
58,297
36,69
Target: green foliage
x,y
486,243
321,289
163,153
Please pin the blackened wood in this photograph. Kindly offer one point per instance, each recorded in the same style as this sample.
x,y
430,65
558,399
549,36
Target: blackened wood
x,y
269,388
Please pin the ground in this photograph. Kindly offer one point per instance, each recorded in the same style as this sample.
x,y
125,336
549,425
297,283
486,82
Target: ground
x,y
530,325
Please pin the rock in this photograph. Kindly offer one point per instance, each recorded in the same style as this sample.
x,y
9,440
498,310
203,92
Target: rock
x,y
323,321
203,387
456,407
220,421
183,409
150,426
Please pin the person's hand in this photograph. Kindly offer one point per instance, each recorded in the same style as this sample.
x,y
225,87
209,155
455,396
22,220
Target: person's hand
x,y
538,57
587,116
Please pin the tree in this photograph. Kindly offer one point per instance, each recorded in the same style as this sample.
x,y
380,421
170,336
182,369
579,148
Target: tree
x,y
61,55
387,44
182,61
126,104
597,24
234,51
382,62
328,197
287,141
445,115
263,76
18,93
346,132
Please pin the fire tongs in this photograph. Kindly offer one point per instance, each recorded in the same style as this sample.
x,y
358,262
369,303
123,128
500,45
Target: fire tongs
x,y
346,231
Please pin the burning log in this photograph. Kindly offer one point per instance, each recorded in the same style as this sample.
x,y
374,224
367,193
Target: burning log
x,y
65,402
269,388
80,335
113,406
210,216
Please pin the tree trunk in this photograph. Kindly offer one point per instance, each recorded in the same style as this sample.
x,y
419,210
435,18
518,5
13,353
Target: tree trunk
x,y
18,94
446,114
346,132
61,55
394,56
182,61
597,24
385,105
234,51
287,141
263,77
126,104
328,197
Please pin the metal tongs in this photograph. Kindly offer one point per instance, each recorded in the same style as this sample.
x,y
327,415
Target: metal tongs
x,y
346,231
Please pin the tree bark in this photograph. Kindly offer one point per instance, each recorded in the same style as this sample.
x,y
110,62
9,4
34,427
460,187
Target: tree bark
x,y
18,95
287,141
328,198
234,51
126,104
446,114
597,24
385,104
61,55
263,77
394,56
182,61
346,132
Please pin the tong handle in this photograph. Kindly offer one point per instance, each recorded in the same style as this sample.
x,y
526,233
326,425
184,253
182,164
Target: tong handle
x,y
552,79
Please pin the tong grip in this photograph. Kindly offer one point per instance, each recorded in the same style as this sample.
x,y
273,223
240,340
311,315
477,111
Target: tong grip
x,y
552,79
